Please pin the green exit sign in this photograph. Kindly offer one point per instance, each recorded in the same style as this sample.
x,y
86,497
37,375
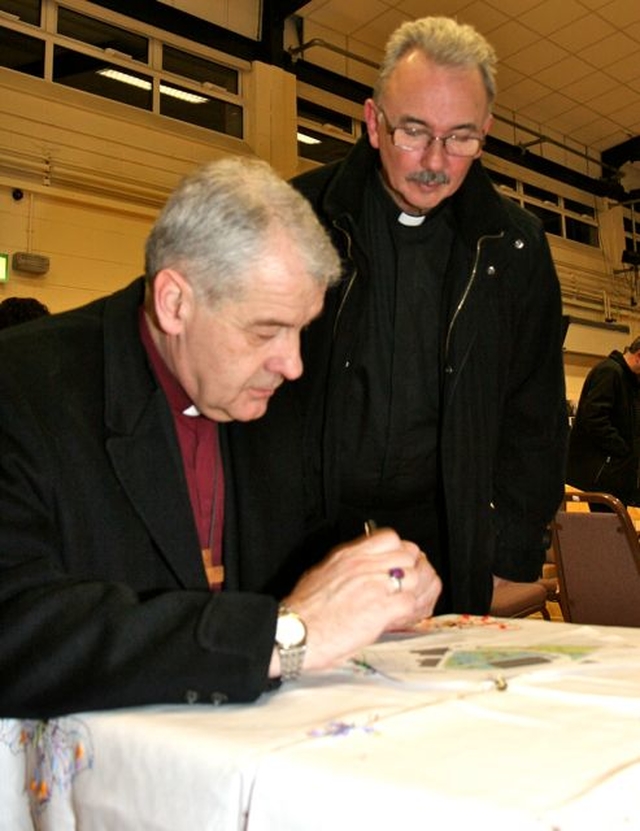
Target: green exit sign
x,y
4,268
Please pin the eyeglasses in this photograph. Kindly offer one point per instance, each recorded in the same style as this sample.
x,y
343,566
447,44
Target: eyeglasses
x,y
413,139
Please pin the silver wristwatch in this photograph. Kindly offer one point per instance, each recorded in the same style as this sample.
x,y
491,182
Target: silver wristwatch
x,y
291,642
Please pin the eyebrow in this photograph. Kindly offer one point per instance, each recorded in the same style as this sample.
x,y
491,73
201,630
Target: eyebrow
x,y
267,321
276,322
410,119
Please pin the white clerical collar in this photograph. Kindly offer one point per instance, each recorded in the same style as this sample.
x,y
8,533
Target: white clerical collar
x,y
411,220
192,411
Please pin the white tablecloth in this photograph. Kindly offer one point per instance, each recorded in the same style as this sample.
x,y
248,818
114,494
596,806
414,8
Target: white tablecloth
x,y
430,739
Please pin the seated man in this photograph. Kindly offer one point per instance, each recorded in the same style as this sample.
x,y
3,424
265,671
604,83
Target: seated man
x,y
125,578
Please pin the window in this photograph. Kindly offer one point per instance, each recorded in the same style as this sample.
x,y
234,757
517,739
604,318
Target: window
x,y
185,105
631,222
103,35
320,147
324,135
551,220
502,181
28,11
324,116
124,65
94,75
22,53
200,107
580,208
573,219
581,232
201,70
542,195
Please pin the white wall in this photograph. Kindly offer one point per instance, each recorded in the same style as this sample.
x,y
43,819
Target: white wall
x,y
94,174
93,248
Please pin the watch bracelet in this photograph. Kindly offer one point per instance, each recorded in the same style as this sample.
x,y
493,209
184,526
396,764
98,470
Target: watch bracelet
x,y
291,661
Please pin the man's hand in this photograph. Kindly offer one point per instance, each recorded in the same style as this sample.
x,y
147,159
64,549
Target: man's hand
x,y
349,599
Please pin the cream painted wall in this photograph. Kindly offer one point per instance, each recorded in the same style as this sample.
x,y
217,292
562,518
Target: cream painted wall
x,y
93,249
576,368
94,174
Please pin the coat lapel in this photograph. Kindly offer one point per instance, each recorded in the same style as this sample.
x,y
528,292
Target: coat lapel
x,y
141,441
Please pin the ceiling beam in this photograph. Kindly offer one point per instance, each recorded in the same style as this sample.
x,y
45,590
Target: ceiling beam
x,y
285,8
274,14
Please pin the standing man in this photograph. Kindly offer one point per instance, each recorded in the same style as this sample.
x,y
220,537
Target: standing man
x,y
124,577
433,395
604,444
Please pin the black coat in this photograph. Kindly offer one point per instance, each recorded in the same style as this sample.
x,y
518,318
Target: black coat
x,y
503,417
103,599
603,446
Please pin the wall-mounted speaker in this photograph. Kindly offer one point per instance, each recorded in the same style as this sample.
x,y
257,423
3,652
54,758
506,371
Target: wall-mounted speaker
x,y
30,263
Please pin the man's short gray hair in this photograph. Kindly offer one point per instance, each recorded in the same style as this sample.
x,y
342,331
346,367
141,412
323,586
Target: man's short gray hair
x,y
218,223
447,43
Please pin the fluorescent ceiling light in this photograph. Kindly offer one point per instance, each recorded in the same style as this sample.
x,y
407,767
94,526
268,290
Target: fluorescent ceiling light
x,y
182,95
304,139
125,78
142,83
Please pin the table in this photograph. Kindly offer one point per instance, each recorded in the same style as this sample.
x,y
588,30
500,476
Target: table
x,y
473,723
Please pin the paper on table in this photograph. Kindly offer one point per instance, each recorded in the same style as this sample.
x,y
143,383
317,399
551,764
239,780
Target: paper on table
x,y
477,655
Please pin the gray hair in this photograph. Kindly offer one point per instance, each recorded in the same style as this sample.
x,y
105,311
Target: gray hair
x,y
633,347
444,41
217,224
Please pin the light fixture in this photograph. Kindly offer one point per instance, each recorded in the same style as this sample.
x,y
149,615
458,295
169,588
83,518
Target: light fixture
x,y
305,139
182,95
125,78
142,83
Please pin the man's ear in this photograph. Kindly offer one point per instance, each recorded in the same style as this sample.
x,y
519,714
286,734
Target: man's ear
x,y
172,300
485,129
373,123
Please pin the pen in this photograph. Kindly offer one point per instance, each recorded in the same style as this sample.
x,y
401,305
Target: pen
x,y
370,526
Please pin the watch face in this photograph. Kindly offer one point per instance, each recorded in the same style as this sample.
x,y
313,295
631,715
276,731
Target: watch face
x,y
290,630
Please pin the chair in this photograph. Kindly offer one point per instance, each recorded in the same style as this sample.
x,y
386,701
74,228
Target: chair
x,y
598,560
524,599
520,600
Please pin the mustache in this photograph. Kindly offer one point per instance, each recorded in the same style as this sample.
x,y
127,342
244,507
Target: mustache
x,y
429,177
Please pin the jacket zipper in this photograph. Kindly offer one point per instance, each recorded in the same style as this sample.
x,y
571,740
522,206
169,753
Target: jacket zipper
x,y
466,291
460,305
602,467
352,278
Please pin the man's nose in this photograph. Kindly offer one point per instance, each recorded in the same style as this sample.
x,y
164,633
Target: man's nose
x,y
288,361
434,153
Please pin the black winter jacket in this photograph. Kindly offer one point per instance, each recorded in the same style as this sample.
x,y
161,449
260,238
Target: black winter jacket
x,y
503,409
603,455
103,598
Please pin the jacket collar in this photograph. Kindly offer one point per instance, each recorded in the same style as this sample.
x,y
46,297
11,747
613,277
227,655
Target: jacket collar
x,y
128,381
619,358
477,206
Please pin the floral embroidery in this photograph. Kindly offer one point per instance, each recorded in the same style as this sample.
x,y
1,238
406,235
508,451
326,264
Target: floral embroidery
x,y
56,752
